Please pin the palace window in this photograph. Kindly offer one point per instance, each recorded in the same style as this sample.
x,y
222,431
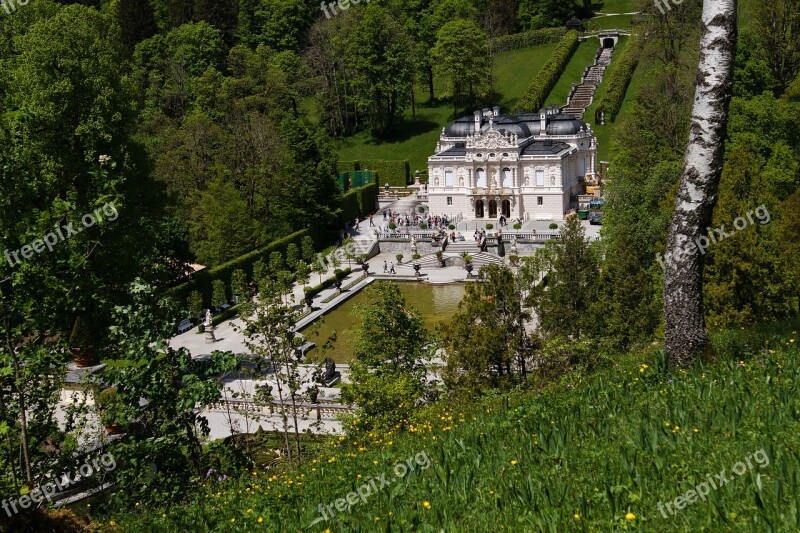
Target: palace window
x,y
540,178
540,200
505,178
448,178
480,178
449,200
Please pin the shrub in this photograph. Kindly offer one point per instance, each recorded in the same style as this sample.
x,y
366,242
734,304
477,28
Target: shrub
x,y
194,303
423,226
399,258
517,226
489,226
553,226
546,79
218,293
358,202
451,226
80,338
338,275
620,80
416,256
394,172
392,226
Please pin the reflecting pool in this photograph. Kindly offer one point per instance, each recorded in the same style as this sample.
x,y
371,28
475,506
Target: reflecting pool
x,y
435,303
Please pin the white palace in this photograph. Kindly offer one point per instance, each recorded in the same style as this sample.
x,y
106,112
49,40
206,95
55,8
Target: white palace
x,y
530,166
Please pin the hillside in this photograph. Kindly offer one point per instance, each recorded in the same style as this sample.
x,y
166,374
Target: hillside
x,y
596,453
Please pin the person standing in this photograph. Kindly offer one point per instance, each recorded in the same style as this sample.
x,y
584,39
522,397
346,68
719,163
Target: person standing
x,y
385,270
391,270
371,223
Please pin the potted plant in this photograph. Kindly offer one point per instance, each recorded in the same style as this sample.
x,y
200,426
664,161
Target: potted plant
x,y
416,257
392,226
451,227
80,344
489,226
399,258
111,410
313,394
517,226
514,260
553,226
440,257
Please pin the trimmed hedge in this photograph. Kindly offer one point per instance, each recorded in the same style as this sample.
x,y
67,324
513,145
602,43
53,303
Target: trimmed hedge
x,y
203,280
527,39
544,81
358,202
620,80
395,173
316,289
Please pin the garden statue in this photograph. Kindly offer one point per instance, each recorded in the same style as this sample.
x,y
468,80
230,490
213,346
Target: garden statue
x,y
208,324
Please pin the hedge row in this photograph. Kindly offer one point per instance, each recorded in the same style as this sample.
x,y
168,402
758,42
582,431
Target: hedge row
x,y
395,173
527,39
358,203
544,81
620,79
316,289
202,280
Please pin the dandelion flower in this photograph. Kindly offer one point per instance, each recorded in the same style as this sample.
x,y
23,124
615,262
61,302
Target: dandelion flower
x,y
513,461
576,516
630,516
426,504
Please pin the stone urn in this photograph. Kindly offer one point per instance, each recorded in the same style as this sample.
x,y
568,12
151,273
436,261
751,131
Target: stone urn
x,y
338,285
417,266
309,299
468,268
364,267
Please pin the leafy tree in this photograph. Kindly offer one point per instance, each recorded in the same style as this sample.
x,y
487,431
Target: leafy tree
x,y
260,271
136,21
302,272
163,457
318,266
777,23
194,303
307,245
485,343
461,55
292,256
537,14
222,14
561,308
279,24
219,294
239,285
392,346
275,264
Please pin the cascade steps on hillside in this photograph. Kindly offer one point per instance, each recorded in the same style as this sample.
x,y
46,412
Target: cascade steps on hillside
x,y
582,95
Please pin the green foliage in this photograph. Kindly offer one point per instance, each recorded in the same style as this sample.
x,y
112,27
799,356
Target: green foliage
x,y
553,226
218,293
536,14
388,374
316,289
307,244
358,203
548,76
489,226
461,56
169,427
292,255
619,81
202,280
486,336
194,303
239,287
275,263
517,226
526,39
562,307
80,337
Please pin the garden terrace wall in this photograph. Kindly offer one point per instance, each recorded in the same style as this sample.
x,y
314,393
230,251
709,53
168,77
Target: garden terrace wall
x,y
358,203
545,80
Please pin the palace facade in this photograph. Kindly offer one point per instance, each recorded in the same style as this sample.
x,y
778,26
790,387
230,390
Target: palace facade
x,y
530,166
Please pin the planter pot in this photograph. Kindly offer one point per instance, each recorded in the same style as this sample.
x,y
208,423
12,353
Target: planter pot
x,y
113,429
83,358
416,268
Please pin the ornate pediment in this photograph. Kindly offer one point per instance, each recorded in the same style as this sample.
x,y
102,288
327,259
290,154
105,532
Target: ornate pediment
x,y
492,140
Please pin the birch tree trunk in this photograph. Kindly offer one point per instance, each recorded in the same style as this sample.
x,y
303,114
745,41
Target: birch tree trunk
x,y
685,333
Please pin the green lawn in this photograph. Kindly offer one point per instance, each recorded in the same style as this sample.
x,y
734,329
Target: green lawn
x,y
610,23
614,6
416,140
584,57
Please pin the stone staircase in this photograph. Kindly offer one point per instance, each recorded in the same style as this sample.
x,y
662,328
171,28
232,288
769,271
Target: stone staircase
x,y
582,95
460,247
485,259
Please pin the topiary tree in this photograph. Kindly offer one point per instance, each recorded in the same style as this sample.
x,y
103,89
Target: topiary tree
x,y
259,271
275,263
239,285
489,226
517,226
292,256
399,258
80,339
194,303
307,245
219,294
553,226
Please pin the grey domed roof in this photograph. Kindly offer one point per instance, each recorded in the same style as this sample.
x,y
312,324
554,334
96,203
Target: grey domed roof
x,y
563,124
462,127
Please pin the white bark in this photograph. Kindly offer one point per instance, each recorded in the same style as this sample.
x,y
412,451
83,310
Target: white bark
x,y
685,333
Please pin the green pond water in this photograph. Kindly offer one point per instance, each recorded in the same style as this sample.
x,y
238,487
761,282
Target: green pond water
x,y
435,303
